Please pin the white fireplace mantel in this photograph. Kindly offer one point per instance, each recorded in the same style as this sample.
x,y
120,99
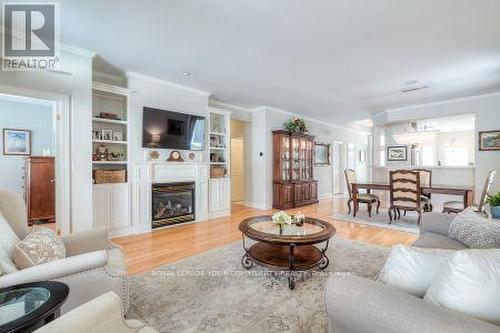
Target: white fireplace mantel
x,y
144,175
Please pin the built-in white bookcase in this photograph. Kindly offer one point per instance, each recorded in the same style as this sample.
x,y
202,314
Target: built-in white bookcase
x,y
111,202
219,140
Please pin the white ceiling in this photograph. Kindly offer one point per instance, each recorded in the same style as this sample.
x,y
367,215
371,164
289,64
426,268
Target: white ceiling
x,y
333,60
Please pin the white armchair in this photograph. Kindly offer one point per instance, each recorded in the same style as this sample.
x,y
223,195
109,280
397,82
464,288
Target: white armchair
x,y
101,315
93,265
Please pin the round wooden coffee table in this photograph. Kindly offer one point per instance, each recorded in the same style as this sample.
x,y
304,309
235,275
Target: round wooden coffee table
x,y
292,248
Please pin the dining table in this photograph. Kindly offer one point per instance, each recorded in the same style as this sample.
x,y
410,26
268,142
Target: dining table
x,y
465,191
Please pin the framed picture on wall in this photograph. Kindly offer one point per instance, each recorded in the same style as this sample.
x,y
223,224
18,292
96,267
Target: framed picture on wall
x,y
489,140
321,154
397,153
16,142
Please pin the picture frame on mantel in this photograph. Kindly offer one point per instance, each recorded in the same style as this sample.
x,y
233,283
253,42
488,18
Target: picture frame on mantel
x,y
397,153
321,154
489,140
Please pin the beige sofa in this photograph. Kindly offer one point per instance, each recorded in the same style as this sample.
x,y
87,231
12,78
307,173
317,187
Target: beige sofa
x,y
93,265
101,315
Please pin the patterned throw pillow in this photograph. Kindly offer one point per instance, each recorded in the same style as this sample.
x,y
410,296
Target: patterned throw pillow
x,y
475,231
39,247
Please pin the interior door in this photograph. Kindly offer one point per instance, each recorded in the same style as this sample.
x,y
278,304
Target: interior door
x,y
237,169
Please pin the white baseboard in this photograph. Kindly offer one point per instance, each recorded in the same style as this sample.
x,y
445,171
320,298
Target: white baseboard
x,y
216,215
325,196
255,205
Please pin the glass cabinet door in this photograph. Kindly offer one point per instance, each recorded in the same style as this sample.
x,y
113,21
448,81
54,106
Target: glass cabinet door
x,y
295,158
285,158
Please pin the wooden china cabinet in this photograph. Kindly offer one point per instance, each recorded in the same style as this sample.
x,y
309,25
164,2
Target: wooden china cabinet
x,y
293,181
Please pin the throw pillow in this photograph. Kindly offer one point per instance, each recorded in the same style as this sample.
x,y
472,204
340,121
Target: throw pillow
x,y
413,269
470,284
39,247
7,241
475,231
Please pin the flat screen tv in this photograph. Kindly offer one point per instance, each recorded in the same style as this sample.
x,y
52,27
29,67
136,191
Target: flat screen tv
x,y
172,130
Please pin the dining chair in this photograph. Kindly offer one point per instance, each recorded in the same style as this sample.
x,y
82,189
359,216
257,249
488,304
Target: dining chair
x,y
425,181
458,206
405,193
365,198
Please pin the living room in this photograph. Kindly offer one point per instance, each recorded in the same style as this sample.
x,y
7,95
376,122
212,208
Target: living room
x,y
238,169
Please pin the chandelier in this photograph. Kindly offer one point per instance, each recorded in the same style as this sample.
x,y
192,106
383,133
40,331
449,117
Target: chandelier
x,y
415,137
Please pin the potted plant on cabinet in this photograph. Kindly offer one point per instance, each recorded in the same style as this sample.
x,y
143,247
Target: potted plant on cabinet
x,y
494,202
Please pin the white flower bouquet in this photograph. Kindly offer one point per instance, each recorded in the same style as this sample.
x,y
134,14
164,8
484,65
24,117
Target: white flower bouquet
x,y
281,218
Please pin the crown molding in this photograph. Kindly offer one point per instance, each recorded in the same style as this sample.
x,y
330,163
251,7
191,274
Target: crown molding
x,y
227,106
78,51
137,76
444,102
334,126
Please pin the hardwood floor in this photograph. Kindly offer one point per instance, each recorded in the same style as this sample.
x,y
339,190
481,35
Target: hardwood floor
x,y
147,251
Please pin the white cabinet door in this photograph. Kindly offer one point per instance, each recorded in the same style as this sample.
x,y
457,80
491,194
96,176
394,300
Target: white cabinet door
x,y
219,197
120,206
111,206
101,206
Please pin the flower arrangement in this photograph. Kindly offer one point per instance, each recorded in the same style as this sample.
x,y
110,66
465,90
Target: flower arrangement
x,y
281,218
297,125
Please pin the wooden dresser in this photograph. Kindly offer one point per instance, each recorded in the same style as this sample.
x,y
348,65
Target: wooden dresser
x,y
40,190
293,166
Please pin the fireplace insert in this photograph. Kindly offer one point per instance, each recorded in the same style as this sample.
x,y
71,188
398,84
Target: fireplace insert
x,y
173,203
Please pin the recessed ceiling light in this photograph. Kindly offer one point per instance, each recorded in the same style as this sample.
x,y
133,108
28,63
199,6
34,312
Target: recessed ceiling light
x,y
186,73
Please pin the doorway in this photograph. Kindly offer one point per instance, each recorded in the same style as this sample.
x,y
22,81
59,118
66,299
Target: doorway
x,y
44,159
238,187
337,168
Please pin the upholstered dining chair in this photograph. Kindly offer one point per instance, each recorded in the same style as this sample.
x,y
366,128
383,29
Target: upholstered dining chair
x,y
405,193
458,206
365,198
425,181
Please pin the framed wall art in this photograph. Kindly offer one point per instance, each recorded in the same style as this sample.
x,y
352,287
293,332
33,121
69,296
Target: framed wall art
x,y
489,140
16,142
397,153
321,154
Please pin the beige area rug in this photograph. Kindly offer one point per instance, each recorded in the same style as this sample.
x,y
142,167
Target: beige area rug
x,y
408,223
212,292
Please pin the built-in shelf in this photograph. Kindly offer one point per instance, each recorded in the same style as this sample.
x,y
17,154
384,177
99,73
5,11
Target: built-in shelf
x,y
108,162
218,163
109,121
217,133
217,148
111,142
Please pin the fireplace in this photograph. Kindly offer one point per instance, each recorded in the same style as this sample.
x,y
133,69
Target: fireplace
x,y
173,203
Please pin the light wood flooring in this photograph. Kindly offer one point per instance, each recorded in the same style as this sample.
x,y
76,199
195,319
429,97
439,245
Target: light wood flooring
x,y
147,251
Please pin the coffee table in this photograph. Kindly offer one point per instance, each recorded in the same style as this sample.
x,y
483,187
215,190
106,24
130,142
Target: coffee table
x,y
291,248
27,307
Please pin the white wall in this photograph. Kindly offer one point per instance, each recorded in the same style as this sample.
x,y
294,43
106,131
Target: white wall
x,y
38,119
74,80
264,121
487,113
162,95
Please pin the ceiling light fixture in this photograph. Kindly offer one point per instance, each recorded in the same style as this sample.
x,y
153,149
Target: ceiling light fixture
x,y
186,73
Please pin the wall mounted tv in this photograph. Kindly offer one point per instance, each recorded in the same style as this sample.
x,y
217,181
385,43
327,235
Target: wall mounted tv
x,y
172,130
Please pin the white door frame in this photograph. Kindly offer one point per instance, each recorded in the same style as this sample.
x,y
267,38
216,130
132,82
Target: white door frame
x,y
340,167
63,165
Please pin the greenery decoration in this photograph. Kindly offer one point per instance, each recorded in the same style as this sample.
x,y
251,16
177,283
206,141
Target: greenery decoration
x,y
297,125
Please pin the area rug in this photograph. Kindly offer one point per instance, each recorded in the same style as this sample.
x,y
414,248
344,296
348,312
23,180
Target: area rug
x,y
211,292
408,223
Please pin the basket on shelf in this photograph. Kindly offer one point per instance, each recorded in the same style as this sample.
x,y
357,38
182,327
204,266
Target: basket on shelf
x,y
110,176
217,172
